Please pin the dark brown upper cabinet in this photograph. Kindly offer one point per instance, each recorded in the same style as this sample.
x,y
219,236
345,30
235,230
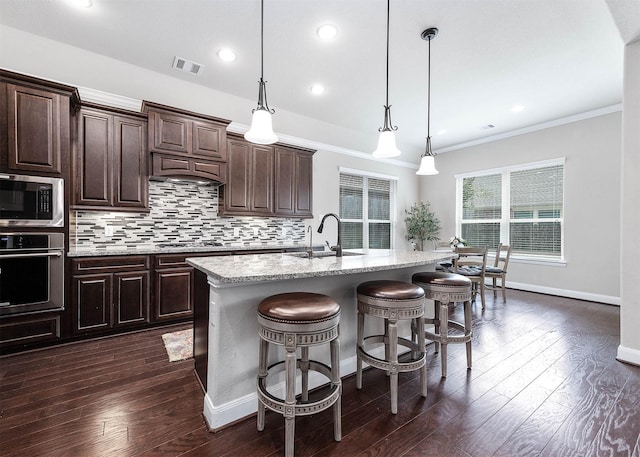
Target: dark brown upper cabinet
x,y
183,143
266,180
249,190
294,182
110,169
35,133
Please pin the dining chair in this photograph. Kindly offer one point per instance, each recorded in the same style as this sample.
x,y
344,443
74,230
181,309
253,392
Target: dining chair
x,y
499,270
471,262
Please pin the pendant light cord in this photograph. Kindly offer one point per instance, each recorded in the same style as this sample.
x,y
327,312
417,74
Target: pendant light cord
x,y
261,40
429,92
387,88
388,125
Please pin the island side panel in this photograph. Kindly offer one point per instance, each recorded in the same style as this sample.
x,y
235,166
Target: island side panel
x,y
233,335
200,326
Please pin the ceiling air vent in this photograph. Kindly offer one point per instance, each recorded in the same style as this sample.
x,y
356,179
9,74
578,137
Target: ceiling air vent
x,y
187,65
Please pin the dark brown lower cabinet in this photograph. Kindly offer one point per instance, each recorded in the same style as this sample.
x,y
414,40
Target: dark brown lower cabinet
x,y
173,290
110,293
173,293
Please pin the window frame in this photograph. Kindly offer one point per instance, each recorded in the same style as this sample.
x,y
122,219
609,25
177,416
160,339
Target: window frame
x,y
366,175
505,219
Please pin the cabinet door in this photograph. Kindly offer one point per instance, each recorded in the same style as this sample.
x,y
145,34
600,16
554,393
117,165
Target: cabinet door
x,y
304,184
293,182
131,171
236,191
91,301
285,163
34,124
173,293
209,140
131,298
261,183
169,133
93,167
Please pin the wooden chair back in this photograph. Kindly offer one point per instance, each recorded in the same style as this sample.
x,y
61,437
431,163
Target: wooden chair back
x,y
472,263
470,259
503,253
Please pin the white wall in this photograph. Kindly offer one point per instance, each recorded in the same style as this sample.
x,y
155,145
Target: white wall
x,y
592,149
629,349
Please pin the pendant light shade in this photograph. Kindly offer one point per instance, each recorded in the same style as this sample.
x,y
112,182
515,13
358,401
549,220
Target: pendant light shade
x,y
387,145
427,160
427,166
386,142
387,139
261,130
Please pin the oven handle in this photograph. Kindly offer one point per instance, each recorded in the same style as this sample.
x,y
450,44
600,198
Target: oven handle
x,y
31,254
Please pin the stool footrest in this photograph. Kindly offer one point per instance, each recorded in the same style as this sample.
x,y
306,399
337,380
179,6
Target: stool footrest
x,y
465,337
300,408
397,367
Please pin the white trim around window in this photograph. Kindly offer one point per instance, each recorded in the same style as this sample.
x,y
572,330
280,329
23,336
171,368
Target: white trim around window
x,y
502,209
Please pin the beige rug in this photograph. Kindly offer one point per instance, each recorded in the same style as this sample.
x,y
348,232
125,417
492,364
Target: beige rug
x,y
179,345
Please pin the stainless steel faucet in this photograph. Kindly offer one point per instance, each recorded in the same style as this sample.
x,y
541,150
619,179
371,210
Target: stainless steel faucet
x,y
310,250
338,246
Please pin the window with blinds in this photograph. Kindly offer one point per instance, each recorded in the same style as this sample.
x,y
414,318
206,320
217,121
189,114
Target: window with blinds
x,y
520,206
365,211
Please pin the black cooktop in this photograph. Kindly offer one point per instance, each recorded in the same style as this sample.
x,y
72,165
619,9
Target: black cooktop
x,y
191,244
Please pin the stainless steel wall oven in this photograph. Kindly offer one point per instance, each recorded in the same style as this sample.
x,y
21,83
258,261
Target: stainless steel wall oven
x,y
31,272
31,201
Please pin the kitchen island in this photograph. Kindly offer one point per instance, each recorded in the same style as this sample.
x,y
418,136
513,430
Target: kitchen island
x,y
228,290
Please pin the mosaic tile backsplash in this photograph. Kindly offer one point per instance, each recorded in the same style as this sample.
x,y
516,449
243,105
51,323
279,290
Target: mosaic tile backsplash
x,y
180,213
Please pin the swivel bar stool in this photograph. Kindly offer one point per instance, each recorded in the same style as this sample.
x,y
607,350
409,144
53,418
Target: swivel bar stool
x,y
445,289
392,301
299,320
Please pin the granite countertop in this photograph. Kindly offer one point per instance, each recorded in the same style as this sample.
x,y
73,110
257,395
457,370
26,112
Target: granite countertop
x,y
277,267
145,249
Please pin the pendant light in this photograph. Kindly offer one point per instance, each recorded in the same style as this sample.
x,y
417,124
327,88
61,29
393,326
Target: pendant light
x,y
387,139
261,131
427,162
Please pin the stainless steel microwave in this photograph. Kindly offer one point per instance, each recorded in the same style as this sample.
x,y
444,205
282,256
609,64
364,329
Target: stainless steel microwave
x,y
31,201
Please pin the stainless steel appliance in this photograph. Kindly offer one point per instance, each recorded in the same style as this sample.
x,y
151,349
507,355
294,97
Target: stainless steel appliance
x,y
31,272
31,201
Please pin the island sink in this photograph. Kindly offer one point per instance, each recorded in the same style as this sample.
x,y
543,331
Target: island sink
x,y
314,254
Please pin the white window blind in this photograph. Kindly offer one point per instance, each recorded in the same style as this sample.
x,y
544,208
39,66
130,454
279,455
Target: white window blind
x,y
365,211
520,206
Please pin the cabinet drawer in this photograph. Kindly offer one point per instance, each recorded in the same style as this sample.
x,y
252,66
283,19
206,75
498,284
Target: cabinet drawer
x,y
162,261
110,264
24,330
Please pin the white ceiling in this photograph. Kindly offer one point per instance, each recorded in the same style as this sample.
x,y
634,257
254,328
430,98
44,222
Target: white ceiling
x,y
558,58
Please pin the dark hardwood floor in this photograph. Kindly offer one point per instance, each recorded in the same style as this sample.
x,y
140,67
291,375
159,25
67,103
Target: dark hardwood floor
x,y
544,382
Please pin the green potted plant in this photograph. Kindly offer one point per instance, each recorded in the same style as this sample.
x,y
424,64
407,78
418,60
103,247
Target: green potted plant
x,y
422,224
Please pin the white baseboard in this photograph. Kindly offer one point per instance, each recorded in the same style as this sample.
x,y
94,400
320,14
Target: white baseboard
x,y
578,295
628,355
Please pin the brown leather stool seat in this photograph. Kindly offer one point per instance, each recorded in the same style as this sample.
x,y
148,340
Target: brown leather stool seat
x,y
447,288
299,320
392,301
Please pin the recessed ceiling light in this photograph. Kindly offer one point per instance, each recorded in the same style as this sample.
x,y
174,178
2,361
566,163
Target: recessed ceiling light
x,y
226,55
441,132
317,89
517,108
81,3
327,31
